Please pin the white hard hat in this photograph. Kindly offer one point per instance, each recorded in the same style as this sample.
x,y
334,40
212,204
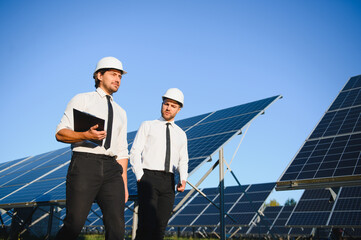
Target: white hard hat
x,y
110,62
174,94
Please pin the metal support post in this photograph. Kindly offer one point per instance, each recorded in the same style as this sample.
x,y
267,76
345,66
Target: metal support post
x,y
179,205
135,220
209,200
246,196
50,222
221,195
2,221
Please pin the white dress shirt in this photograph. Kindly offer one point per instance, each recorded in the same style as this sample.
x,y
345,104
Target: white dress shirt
x,y
96,104
149,148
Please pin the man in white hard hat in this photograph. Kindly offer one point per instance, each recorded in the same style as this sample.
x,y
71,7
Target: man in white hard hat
x,y
159,149
98,168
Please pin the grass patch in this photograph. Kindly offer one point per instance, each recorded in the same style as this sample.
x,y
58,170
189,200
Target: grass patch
x,y
91,237
101,237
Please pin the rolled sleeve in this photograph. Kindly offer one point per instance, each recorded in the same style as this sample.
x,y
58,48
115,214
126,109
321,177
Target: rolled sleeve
x,y
67,121
122,152
183,162
136,151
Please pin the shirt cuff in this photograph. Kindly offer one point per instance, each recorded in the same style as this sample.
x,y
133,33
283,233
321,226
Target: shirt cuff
x,y
122,157
139,174
183,178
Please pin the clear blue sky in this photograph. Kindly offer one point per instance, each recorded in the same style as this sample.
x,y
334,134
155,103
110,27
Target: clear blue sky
x,y
219,53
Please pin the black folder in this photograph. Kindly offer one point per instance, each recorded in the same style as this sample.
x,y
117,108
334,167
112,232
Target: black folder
x,y
84,121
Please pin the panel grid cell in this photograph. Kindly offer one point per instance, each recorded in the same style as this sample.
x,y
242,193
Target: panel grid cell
x,y
340,156
317,208
354,82
313,209
347,211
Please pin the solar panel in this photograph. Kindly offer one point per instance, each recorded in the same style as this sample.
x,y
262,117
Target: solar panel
x,y
241,203
211,131
38,179
6,165
42,178
274,223
313,209
192,208
28,165
278,226
330,156
264,226
317,209
347,211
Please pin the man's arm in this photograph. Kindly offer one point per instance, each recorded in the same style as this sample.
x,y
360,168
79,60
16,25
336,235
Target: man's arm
x,y
183,167
124,164
66,135
136,151
65,129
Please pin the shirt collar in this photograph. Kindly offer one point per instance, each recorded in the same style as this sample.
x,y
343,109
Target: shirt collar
x,y
164,121
102,93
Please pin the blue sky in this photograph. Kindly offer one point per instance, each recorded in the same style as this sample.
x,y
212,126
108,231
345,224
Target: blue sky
x,y
219,53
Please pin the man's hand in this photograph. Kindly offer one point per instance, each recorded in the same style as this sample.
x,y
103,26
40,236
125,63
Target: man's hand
x,y
69,136
124,164
94,134
181,186
126,194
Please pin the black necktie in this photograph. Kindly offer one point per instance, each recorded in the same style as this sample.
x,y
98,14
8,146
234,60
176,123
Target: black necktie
x,y
167,151
110,124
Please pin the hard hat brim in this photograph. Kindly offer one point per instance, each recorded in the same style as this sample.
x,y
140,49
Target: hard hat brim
x,y
122,71
180,104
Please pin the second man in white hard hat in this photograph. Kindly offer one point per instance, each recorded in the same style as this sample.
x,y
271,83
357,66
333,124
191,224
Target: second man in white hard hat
x,y
159,149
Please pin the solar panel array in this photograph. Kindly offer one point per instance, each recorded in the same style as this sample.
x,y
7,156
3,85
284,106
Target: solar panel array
x,y
241,204
312,211
331,154
42,178
316,210
198,212
35,179
273,223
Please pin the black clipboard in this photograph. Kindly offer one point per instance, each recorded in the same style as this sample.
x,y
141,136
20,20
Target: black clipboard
x,y
83,121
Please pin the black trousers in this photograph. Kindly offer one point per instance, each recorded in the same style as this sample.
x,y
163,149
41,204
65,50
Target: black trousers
x,y
156,199
94,177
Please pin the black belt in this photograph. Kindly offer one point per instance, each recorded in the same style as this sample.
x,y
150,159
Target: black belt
x,y
157,172
100,156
